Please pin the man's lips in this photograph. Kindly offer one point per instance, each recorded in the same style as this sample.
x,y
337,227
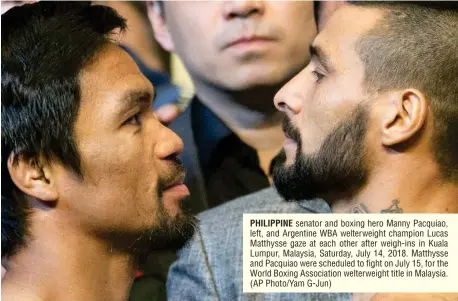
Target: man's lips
x,y
176,188
172,197
289,138
177,180
179,190
289,131
248,41
289,142
287,135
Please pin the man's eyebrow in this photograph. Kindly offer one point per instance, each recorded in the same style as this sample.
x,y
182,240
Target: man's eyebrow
x,y
134,97
319,55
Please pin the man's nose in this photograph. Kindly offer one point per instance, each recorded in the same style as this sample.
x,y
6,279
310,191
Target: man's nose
x,y
291,96
169,145
242,9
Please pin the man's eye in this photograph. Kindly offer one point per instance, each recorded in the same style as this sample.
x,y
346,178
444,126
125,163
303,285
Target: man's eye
x,y
134,120
318,75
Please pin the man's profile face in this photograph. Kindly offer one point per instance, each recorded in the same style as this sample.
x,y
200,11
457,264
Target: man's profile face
x,y
238,45
130,175
328,125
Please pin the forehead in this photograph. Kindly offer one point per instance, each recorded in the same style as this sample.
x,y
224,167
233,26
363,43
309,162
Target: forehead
x,y
344,29
110,74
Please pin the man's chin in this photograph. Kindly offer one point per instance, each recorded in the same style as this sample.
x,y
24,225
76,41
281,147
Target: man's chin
x,y
290,194
289,181
173,234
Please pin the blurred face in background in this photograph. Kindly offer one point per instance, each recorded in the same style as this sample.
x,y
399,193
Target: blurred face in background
x,y
237,45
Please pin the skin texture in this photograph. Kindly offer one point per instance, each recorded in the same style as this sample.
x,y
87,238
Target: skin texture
x,y
122,162
99,224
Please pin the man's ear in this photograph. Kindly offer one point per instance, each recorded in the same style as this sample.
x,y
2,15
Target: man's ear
x,y
405,116
156,16
33,177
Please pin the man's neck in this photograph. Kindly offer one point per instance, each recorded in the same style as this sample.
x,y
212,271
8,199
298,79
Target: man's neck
x,y
68,266
400,189
251,115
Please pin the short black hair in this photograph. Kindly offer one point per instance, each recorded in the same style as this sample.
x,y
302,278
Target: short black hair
x,y
45,46
415,45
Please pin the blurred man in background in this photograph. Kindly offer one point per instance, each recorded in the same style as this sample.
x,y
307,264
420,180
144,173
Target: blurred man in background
x,y
239,54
